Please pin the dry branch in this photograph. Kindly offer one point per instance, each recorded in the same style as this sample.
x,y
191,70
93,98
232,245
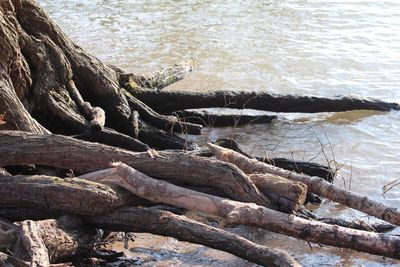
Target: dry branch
x,y
247,213
315,185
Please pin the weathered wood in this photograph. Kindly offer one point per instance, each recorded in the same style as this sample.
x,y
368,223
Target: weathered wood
x,y
286,194
51,150
247,213
209,119
166,102
137,219
315,185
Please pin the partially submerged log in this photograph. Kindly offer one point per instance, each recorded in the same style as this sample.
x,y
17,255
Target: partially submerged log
x,y
167,102
168,224
210,119
247,213
316,185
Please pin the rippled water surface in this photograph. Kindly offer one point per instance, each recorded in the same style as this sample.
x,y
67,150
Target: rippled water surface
x,y
323,48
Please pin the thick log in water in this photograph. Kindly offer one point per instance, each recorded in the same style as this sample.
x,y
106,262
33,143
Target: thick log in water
x,y
167,102
64,152
138,219
247,213
315,185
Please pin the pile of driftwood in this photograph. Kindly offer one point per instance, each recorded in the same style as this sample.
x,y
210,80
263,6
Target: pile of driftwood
x,y
86,148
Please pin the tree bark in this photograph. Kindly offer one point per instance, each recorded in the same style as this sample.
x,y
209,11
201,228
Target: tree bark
x,y
247,213
315,185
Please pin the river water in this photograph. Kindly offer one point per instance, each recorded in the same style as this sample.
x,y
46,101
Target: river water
x,y
322,48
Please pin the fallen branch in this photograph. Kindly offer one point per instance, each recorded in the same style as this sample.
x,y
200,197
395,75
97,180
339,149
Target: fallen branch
x,y
247,213
315,185
137,219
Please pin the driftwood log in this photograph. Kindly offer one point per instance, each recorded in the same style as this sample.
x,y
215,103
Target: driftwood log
x,y
246,213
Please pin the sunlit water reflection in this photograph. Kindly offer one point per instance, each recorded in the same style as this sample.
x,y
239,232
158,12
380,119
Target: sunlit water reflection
x,y
321,48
